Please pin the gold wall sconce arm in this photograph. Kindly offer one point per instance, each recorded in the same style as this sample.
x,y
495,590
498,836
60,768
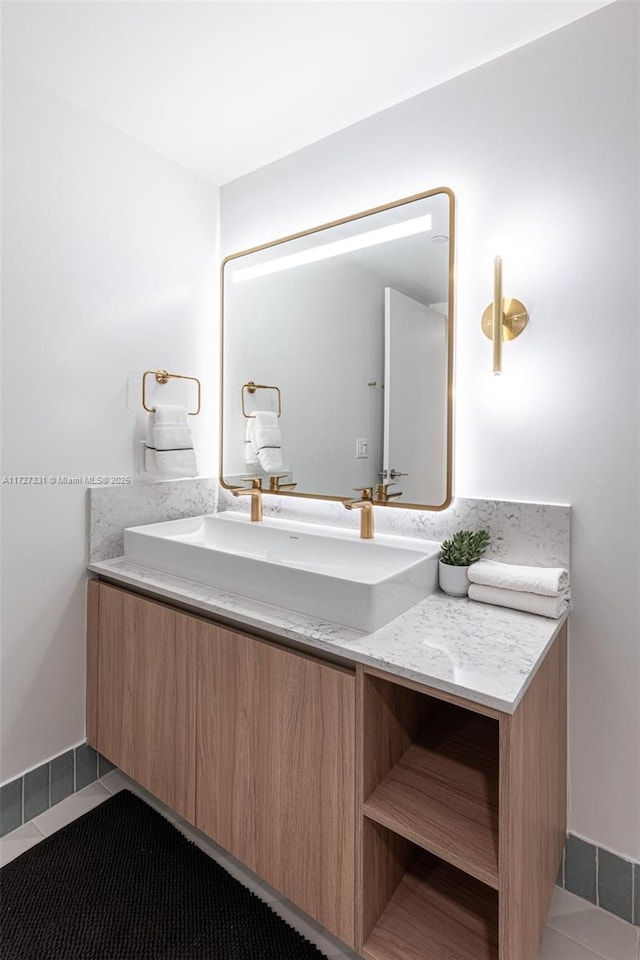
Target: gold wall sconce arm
x,y
504,319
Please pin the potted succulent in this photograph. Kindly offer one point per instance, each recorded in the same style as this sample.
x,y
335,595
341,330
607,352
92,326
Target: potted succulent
x,y
457,555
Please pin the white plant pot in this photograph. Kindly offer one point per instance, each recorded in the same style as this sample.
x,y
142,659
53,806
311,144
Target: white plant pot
x,y
454,580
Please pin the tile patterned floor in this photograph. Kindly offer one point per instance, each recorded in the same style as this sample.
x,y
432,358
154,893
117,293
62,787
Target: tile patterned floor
x,y
576,930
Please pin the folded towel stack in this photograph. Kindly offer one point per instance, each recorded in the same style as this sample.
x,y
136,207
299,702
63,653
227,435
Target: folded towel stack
x,y
541,590
169,451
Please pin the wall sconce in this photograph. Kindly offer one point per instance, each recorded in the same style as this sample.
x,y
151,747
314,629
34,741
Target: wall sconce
x,y
504,319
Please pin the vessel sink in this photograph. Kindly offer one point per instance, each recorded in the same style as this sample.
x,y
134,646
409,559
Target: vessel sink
x,y
324,572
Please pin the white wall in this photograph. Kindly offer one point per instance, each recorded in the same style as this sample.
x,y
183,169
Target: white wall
x,y
337,309
541,150
109,267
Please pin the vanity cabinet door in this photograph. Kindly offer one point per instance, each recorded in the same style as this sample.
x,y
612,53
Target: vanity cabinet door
x,y
276,769
143,719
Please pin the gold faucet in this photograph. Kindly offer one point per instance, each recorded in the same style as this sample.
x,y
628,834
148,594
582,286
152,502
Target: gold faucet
x,y
366,505
255,492
382,492
275,485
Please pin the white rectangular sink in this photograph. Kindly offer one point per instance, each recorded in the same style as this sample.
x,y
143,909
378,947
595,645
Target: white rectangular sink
x,y
324,572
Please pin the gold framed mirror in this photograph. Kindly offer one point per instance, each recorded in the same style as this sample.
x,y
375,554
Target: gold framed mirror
x,y
337,358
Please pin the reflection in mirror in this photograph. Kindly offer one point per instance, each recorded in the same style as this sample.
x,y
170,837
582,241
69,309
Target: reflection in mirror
x,y
337,358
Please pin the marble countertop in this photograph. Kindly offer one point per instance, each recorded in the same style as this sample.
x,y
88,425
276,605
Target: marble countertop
x,y
482,653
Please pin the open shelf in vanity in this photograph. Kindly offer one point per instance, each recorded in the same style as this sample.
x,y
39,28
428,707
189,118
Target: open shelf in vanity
x,y
462,819
435,912
442,794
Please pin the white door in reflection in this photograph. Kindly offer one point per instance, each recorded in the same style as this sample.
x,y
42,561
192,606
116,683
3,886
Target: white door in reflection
x,y
415,379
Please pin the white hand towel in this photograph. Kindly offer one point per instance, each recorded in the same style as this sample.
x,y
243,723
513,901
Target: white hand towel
x,y
544,606
171,430
170,464
267,441
150,463
170,452
548,581
176,463
250,455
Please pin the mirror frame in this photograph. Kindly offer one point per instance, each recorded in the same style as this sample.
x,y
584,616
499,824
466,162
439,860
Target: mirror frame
x,y
450,348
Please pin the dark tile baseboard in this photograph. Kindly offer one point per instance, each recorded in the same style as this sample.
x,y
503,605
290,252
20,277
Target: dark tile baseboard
x,y
28,796
591,872
602,877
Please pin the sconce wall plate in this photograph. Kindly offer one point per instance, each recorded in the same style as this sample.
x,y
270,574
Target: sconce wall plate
x,y
514,319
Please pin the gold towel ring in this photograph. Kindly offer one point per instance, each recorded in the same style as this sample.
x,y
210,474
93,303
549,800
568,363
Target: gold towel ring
x,y
162,376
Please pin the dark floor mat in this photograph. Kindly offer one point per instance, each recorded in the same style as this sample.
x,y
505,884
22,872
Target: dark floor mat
x,y
121,883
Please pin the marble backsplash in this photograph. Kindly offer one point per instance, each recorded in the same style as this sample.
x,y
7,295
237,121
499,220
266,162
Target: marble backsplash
x,y
111,509
530,533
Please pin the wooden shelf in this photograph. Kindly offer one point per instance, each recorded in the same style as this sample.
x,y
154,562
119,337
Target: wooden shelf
x,y
436,913
443,793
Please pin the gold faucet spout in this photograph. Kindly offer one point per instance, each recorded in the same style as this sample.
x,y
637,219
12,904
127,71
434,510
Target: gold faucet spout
x,y
255,492
366,516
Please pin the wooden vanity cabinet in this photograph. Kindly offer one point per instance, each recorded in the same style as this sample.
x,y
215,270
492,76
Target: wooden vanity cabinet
x,y
419,826
276,769
250,741
141,705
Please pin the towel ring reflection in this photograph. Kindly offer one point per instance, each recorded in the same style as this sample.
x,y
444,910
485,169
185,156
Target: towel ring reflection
x,y
162,376
251,387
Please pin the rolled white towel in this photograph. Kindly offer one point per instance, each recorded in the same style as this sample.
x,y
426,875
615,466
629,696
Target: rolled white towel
x,y
544,606
267,441
547,581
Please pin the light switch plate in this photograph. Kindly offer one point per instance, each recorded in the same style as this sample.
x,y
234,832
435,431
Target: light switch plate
x,y
362,449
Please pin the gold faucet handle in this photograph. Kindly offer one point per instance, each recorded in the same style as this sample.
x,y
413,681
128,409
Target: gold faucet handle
x,y
274,480
366,493
256,484
382,488
382,491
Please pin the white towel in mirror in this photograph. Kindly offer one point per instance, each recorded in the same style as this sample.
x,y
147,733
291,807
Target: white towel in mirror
x,y
267,440
250,453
